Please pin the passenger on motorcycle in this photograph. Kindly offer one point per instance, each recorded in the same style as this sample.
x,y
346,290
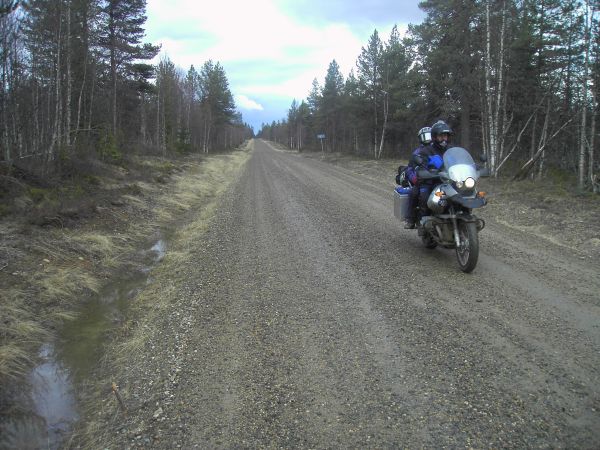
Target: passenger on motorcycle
x,y
432,157
408,173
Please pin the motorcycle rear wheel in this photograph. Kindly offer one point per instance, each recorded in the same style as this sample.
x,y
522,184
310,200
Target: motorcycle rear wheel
x,y
468,251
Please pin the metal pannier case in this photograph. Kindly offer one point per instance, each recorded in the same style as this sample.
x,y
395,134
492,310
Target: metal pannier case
x,y
401,195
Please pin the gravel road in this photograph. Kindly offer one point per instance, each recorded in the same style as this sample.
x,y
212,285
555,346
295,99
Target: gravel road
x,y
312,319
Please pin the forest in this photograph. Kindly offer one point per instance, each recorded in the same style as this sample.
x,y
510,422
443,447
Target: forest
x,y
516,79
78,84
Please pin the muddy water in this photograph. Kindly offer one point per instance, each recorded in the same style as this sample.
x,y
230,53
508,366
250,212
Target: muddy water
x,y
47,413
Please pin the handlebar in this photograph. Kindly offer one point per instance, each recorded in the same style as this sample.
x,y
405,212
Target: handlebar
x,y
425,174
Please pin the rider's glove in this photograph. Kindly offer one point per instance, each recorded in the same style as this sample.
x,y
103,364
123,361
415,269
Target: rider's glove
x,y
435,162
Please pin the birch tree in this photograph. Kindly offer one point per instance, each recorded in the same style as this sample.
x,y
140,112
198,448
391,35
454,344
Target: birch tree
x,y
494,84
370,79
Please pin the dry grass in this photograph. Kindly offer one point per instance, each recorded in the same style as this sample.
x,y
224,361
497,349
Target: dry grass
x,y
63,284
19,331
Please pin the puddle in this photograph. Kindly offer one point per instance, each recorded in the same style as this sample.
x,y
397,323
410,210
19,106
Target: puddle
x,y
46,416
52,396
160,249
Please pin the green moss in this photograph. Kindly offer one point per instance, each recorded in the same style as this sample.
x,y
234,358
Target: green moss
x,y
92,180
134,189
39,194
4,210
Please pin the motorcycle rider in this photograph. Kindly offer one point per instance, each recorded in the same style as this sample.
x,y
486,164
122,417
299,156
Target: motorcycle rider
x,y
431,156
424,136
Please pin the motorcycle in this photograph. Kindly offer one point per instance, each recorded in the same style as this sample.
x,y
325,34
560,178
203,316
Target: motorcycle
x,y
448,219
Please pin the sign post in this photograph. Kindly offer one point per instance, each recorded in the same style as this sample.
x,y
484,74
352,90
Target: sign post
x,y
321,137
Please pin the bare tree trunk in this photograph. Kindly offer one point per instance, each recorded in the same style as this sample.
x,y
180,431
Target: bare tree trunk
x,y
204,134
584,106
592,138
158,118
488,91
163,134
143,119
85,68
385,118
208,138
69,79
4,93
50,155
494,99
500,93
113,68
80,99
92,85
375,129
37,133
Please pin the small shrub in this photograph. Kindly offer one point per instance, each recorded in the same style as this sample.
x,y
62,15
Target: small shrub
x,y
108,148
38,194
134,189
4,210
92,180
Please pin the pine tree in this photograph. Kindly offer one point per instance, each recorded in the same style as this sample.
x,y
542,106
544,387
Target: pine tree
x,y
123,22
331,103
216,100
370,77
396,65
451,40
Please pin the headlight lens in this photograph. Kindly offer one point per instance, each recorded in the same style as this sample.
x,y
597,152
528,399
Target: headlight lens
x,y
469,183
459,184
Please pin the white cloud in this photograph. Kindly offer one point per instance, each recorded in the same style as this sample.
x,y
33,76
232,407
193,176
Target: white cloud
x,y
258,30
259,45
244,102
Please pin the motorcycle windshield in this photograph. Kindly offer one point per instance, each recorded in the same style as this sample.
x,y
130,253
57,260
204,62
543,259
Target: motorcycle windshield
x,y
459,164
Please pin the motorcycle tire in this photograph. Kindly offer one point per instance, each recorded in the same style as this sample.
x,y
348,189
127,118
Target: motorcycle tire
x,y
468,251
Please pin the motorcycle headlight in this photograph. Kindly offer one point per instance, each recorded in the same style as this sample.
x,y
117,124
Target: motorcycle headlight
x,y
469,183
459,184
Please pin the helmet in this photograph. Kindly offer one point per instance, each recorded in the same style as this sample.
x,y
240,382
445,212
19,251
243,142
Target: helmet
x,y
424,135
440,127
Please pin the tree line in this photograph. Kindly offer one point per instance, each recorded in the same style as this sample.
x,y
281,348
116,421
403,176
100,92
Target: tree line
x,y
77,81
518,80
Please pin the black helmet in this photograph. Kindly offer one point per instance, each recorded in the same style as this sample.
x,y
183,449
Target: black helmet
x,y
424,135
440,127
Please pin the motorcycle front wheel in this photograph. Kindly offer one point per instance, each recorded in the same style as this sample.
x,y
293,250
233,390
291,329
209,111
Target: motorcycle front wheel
x,y
468,251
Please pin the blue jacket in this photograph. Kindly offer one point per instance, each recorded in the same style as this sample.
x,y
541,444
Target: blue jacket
x,y
426,152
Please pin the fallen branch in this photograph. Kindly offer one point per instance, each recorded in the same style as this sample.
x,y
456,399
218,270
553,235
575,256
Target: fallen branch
x,y
518,141
115,390
524,170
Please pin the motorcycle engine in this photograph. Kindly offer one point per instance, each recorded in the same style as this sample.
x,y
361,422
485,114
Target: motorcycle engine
x,y
436,201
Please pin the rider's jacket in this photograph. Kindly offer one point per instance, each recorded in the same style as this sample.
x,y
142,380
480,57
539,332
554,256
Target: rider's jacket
x,y
426,152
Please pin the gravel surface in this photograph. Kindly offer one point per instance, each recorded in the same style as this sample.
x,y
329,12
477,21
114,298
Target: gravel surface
x,y
311,319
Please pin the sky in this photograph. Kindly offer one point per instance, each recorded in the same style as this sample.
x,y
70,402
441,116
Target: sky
x,y
272,50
